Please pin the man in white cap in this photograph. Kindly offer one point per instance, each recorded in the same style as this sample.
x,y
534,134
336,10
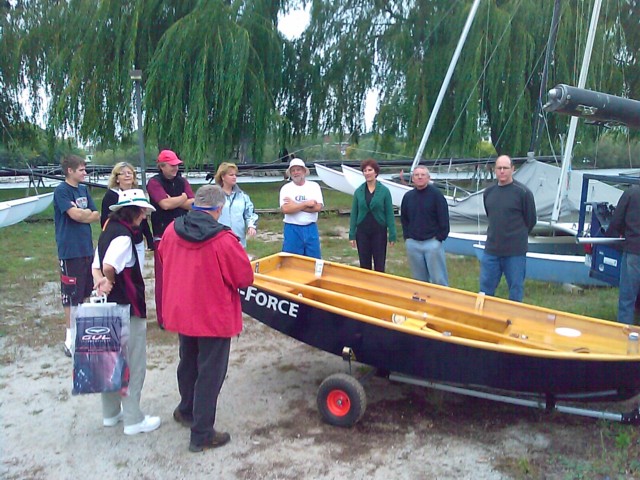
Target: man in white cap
x,y
172,197
300,201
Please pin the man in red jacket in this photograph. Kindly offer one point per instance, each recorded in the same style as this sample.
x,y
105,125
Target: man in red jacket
x,y
202,261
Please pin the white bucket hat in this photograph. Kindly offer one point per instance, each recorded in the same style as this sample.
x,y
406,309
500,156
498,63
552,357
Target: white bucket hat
x,y
297,162
132,198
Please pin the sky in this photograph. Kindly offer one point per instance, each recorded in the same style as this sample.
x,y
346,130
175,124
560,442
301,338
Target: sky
x,y
293,24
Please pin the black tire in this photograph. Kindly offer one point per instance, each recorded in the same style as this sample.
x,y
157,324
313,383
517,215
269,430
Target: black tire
x,y
341,400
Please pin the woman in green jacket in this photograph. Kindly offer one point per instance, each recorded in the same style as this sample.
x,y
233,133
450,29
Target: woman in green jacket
x,y
371,219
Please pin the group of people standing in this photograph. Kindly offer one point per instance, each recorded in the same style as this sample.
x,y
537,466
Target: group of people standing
x,y
199,243
193,249
424,215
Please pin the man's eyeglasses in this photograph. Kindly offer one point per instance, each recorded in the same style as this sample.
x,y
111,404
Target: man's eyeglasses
x,y
503,168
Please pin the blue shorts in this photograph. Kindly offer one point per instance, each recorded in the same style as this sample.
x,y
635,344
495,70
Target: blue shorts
x,y
302,240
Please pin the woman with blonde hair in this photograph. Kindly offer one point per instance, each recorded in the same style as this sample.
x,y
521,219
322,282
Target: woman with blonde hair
x,y
123,177
238,212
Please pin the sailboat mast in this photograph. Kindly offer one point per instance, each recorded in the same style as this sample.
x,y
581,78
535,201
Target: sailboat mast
x,y
573,125
445,83
551,45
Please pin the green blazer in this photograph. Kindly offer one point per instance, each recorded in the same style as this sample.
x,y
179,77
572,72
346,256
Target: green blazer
x,y
381,207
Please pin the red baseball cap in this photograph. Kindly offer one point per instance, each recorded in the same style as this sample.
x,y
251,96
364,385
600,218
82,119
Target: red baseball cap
x,y
170,157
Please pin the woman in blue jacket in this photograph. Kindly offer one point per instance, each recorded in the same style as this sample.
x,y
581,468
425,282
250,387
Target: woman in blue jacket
x,y
237,213
371,219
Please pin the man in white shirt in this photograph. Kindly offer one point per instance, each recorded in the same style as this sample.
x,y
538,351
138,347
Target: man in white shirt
x,y
300,201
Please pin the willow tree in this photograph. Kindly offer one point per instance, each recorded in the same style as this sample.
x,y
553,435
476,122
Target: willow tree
x,y
218,76
496,83
331,67
13,126
210,69
214,77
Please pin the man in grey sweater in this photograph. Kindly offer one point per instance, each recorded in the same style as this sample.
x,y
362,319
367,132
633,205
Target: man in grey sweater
x,y
511,211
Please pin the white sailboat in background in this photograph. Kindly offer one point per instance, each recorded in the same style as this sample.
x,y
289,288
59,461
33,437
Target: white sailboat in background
x,y
15,211
334,179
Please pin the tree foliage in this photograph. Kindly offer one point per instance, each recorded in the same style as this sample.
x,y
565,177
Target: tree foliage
x,y
497,80
218,77
211,69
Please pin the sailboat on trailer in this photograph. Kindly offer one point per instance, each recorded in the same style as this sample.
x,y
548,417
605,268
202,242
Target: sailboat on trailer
x,y
443,338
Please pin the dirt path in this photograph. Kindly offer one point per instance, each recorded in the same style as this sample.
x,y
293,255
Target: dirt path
x,y
268,406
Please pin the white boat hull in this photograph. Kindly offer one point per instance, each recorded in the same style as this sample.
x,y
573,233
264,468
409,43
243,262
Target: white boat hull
x,y
15,211
334,179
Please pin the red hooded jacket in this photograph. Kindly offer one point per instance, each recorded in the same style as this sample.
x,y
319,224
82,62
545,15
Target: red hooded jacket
x,y
204,265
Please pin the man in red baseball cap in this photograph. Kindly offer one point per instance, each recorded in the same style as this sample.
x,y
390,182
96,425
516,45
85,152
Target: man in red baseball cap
x,y
169,157
172,197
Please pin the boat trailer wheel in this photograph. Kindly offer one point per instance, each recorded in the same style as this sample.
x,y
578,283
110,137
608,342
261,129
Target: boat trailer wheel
x,y
341,400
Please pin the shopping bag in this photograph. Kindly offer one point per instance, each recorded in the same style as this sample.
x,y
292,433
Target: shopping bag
x,y
101,333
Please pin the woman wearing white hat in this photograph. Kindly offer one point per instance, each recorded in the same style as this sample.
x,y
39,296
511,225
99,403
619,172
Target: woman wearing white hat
x,y
116,273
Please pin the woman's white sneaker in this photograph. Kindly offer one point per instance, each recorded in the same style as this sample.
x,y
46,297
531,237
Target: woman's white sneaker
x,y
149,424
113,421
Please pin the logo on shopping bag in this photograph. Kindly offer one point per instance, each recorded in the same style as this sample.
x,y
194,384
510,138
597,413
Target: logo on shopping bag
x,y
97,333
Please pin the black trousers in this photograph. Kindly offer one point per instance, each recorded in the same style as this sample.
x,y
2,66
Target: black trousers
x,y
372,245
201,371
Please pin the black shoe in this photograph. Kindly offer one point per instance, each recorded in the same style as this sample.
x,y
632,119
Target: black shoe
x,y
66,350
219,439
182,419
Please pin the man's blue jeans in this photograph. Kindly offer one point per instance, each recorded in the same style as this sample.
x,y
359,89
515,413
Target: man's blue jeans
x,y
514,268
629,287
427,261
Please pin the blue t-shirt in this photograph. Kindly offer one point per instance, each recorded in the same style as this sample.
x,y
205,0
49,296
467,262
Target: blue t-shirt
x,y
73,238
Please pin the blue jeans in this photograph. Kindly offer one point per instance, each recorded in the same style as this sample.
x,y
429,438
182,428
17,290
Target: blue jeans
x,y
427,261
302,240
629,287
514,269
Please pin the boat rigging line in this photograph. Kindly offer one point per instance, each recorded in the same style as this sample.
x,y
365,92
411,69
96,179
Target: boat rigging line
x,y
573,125
445,83
481,77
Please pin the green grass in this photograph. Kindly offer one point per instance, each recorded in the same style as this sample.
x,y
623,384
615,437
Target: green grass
x,y
265,195
29,253
29,261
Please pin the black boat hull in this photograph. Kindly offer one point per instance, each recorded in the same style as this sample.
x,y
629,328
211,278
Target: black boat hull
x,y
442,361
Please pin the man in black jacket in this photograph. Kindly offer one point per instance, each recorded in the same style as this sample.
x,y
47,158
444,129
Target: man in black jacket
x,y
626,223
171,196
424,214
